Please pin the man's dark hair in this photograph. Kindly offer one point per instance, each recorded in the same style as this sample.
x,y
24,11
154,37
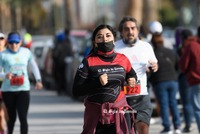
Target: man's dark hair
x,y
186,33
67,31
13,32
198,32
128,18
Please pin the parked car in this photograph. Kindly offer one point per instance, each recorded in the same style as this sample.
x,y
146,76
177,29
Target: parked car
x,y
81,43
40,50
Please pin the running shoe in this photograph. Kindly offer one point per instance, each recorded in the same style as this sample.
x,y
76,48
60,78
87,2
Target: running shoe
x,y
166,132
178,131
187,129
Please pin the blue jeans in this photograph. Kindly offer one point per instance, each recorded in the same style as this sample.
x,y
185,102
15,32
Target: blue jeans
x,y
185,94
195,92
166,96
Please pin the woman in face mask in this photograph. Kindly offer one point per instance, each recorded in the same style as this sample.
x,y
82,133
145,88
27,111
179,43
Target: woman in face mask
x,y
101,76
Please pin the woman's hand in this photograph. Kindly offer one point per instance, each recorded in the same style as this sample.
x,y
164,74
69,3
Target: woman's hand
x,y
9,75
103,79
131,82
38,85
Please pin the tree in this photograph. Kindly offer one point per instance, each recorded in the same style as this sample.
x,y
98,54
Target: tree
x,y
168,15
68,15
135,9
24,13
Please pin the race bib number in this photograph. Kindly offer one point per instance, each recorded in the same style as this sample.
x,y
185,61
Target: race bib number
x,y
17,79
132,90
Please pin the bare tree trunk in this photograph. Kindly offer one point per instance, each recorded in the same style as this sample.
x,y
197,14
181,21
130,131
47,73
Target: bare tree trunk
x,y
18,18
5,21
68,14
150,13
135,9
13,17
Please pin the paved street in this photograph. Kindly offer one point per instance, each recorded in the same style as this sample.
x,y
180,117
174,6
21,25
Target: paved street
x,y
53,114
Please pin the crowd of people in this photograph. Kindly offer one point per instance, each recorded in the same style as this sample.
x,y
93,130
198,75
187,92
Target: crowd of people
x,y
113,76
105,76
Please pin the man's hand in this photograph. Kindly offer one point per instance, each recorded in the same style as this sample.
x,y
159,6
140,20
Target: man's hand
x,y
131,82
154,66
9,75
38,85
103,79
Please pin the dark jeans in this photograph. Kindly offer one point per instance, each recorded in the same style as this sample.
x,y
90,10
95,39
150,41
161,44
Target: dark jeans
x,y
17,102
195,92
166,96
185,94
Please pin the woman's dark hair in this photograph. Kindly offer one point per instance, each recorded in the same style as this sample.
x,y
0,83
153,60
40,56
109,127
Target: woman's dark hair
x,y
198,32
102,26
125,19
13,32
157,40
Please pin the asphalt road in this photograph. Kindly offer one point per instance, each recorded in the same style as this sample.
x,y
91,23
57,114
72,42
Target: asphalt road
x,y
53,114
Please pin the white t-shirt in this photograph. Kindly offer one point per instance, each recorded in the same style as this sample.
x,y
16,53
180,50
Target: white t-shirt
x,y
139,55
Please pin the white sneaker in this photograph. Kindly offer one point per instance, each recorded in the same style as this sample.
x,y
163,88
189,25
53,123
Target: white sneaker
x,y
166,132
178,131
152,121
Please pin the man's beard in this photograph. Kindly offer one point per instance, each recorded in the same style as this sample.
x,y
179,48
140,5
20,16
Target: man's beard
x,y
129,42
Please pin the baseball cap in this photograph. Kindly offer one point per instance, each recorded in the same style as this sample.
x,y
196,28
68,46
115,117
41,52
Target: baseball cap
x,y
155,27
186,33
2,35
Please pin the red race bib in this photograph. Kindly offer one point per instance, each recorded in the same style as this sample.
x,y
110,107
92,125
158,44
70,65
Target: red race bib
x,y
132,90
17,80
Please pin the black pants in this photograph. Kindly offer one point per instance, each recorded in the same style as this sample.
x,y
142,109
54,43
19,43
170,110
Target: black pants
x,y
105,129
17,102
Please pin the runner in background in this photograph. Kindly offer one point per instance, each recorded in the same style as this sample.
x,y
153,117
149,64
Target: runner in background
x,y
16,86
141,56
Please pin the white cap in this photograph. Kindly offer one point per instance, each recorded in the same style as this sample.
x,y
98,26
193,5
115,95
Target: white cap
x,y
155,27
2,35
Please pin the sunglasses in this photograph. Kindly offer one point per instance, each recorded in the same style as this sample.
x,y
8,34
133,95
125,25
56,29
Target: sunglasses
x,y
12,42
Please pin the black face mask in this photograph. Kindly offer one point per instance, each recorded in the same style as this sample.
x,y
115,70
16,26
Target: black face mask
x,y
105,46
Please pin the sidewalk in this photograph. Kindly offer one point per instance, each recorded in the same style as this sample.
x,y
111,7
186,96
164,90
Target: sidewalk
x,y
156,126
53,114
